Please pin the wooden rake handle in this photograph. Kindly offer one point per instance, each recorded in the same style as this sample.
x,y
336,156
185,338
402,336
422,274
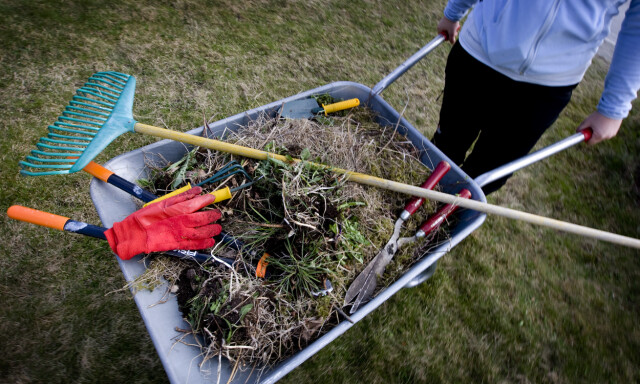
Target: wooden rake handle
x,y
395,186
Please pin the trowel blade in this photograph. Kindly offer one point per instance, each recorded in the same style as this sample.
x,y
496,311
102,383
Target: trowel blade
x,y
299,109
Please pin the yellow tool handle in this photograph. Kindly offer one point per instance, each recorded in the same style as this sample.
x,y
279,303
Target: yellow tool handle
x,y
378,182
341,105
221,194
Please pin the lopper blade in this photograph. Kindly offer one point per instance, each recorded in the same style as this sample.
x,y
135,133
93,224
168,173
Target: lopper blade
x,y
362,288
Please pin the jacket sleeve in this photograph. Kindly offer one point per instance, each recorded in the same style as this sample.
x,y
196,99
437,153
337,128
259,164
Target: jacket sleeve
x,y
623,79
456,9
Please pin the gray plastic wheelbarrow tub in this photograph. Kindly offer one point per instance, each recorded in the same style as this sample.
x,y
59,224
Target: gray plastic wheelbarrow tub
x,y
182,362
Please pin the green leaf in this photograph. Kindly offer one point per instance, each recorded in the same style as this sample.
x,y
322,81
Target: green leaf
x,y
145,183
278,162
351,204
245,309
188,162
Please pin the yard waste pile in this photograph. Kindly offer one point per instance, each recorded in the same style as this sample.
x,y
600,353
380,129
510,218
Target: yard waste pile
x,y
305,233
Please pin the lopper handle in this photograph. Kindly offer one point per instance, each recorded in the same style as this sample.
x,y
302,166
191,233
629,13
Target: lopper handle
x,y
110,177
49,220
98,171
442,214
339,106
438,173
410,62
33,216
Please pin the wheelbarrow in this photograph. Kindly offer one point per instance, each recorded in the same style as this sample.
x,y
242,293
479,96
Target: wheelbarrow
x,y
181,360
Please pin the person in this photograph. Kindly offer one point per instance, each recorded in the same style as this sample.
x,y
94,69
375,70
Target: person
x,y
514,67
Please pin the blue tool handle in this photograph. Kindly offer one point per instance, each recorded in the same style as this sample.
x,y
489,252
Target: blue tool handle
x,y
85,229
131,188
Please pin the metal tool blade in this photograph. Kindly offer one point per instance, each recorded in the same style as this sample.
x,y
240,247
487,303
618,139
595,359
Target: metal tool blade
x,y
369,281
362,288
360,282
299,109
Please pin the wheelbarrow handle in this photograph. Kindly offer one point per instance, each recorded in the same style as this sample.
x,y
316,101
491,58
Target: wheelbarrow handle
x,y
404,67
486,178
509,168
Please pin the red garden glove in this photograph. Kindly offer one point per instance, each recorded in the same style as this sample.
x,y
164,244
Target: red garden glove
x,y
166,225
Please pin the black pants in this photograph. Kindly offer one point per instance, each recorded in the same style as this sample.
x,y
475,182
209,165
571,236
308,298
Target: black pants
x,y
507,117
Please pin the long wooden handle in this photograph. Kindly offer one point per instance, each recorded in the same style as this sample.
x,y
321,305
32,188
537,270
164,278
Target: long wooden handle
x,y
395,186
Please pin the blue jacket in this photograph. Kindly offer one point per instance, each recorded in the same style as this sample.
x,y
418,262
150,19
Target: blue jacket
x,y
552,42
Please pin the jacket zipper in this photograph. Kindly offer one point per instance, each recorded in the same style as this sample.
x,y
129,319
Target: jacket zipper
x,y
543,31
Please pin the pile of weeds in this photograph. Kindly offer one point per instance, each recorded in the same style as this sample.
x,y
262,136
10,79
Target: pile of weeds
x,y
311,228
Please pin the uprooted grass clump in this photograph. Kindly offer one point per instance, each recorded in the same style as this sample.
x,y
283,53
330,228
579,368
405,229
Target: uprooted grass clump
x,y
310,227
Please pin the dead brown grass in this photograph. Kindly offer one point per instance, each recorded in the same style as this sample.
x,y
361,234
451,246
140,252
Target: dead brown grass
x,y
303,208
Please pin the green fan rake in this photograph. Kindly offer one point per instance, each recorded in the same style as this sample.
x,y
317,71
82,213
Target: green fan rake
x,y
99,112
102,109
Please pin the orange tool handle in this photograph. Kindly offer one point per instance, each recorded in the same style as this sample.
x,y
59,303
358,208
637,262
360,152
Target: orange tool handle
x,y
98,171
34,216
261,267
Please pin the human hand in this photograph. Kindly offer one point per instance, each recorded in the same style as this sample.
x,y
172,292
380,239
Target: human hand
x,y
449,29
603,127
168,224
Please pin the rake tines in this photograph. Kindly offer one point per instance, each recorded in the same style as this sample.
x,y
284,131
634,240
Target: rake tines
x,y
87,112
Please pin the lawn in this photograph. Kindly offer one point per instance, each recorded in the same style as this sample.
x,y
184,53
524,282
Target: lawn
x,y
512,303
